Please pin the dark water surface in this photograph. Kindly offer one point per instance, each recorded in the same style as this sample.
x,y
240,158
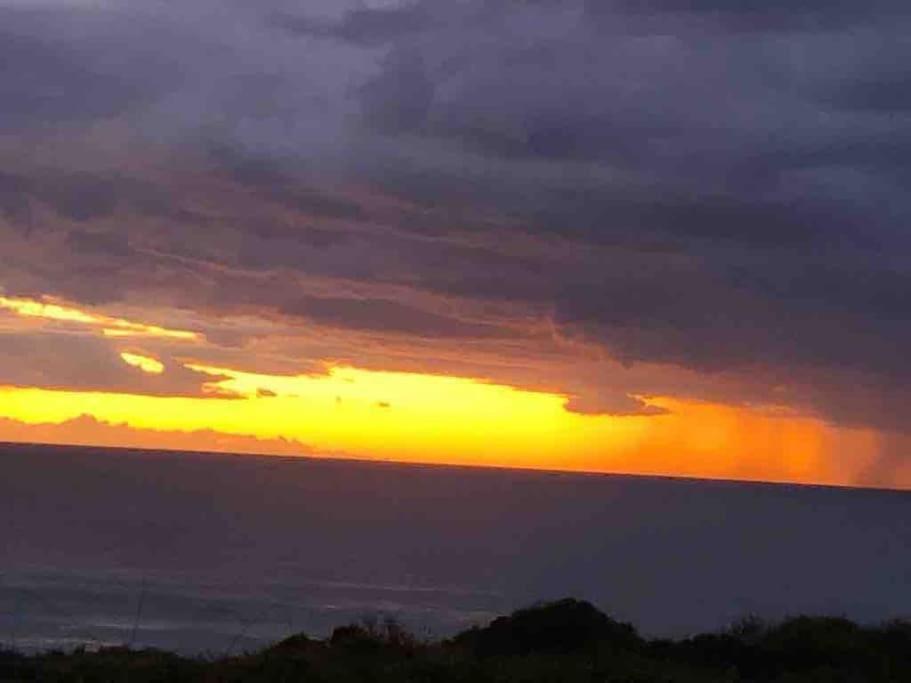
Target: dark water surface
x,y
216,553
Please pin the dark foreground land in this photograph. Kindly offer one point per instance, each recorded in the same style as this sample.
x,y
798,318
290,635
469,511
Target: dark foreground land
x,y
566,641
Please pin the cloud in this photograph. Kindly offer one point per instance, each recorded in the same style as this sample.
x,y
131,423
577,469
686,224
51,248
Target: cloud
x,y
109,326
756,15
388,316
531,189
81,362
153,366
48,82
612,405
88,431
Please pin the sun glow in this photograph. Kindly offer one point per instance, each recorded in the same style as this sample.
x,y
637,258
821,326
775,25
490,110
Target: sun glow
x,y
109,326
144,363
413,417
409,417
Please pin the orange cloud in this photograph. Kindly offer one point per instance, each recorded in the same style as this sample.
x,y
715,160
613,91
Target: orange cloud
x,y
85,430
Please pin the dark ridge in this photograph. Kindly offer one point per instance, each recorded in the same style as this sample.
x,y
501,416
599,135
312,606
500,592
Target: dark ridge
x,y
567,640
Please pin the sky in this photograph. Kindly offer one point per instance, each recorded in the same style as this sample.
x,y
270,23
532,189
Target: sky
x,y
647,236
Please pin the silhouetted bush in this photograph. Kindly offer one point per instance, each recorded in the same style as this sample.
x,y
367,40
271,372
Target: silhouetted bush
x,y
561,642
560,627
298,643
372,636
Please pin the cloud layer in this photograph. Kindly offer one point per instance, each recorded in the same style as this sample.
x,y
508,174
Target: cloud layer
x,y
605,199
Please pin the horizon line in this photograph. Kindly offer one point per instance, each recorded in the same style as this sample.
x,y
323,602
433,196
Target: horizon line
x,y
340,459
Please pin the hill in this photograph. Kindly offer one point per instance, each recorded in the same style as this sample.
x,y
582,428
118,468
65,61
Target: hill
x,y
558,642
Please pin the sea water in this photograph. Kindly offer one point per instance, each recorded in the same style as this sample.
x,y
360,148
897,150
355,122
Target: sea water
x,y
203,553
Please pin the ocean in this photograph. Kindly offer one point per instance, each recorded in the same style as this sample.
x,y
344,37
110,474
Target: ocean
x,y
215,554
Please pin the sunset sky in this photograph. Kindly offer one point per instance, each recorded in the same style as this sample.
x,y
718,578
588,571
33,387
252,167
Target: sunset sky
x,y
638,236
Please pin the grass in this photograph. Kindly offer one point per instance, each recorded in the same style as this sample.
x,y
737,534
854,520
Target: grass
x,y
564,641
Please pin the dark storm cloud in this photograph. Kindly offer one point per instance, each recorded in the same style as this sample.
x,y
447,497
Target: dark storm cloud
x,y
80,197
693,154
889,93
387,316
14,202
273,183
58,66
718,186
362,25
43,83
760,15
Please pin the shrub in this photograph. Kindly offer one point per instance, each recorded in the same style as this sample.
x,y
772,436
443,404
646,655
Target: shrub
x,y
560,627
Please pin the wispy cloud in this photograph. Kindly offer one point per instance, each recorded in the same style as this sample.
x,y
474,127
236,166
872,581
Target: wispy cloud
x,y
110,327
144,363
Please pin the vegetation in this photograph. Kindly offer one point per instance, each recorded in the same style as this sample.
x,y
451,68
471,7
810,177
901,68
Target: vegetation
x,y
564,641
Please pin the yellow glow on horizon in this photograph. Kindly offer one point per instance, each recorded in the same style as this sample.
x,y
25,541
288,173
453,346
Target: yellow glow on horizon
x,y
413,417
110,327
144,363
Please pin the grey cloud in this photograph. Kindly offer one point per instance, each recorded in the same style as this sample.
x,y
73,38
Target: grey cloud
x,y
886,93
79,362
42,82
78,196
400,98
362,25
14,202
388,316
757,15
620,406
108,245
